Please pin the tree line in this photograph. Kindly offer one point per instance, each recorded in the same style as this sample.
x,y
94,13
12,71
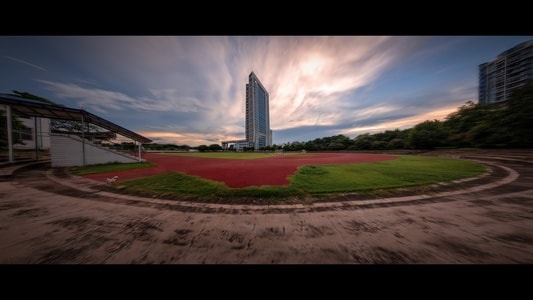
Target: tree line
x,y
500,125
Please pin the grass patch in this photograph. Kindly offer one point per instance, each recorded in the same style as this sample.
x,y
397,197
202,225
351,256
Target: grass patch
x,y
109,167
405,171
316,180
185,187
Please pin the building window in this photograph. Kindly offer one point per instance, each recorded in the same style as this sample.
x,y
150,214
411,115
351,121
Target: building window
x,y
26,134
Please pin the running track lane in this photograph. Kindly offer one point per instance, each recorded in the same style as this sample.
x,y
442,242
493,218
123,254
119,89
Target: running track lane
x,y
239,173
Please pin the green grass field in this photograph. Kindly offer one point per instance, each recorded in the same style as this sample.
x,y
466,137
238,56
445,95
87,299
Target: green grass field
x,y
315,180
406,171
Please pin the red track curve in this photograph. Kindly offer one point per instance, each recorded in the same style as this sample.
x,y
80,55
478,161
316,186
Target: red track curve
x,y
238,173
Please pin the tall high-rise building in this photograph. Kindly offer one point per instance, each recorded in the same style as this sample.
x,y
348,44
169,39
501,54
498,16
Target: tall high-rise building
x,y
510,70
258,133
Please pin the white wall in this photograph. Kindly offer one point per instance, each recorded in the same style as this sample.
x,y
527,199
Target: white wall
x,y
67,151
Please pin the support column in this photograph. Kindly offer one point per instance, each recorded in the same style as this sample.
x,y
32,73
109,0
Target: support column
x,y
9,134
139,143
82,139
35,139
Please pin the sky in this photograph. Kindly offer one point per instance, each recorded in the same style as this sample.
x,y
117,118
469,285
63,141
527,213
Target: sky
x,y
190,90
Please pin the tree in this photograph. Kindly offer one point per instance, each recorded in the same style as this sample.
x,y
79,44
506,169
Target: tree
x,y
427,135
16,126
27,95
460,122
519,112
336,146
501,124
396,144
364,141
215,147
203,148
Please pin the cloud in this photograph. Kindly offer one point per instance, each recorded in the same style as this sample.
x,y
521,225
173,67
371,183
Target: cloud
x,y
192,89
25,63
306,76
185,138
400,123
91,99
408,111
186,129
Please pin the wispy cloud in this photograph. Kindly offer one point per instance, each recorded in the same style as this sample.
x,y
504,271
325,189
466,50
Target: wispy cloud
x,y
25,63
311,75
308,78
92,99
201,128
400,123
187,138
192,89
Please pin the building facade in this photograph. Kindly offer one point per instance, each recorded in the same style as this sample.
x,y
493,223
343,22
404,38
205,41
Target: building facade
x,y
63,148
510,70
34,135
235,145
258,133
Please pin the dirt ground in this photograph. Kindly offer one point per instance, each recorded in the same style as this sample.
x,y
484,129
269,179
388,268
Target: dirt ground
x,y
53,220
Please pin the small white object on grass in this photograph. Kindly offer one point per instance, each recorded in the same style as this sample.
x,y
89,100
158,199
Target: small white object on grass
x,y
111,180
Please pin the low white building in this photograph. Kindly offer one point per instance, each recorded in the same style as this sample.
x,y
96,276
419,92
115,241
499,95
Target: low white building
x,y
66,149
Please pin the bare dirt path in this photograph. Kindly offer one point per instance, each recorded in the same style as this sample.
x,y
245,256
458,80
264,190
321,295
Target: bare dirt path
x,y
43,221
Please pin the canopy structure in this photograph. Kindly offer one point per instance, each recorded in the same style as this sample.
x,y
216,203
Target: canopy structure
x,y
34,108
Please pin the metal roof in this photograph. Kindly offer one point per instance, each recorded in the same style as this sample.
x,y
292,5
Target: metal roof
x,y
35,108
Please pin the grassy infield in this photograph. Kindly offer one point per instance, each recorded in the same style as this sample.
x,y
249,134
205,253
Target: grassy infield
x,y
316,180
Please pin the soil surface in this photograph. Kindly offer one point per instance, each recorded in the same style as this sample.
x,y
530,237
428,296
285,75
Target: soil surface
x,y
49,218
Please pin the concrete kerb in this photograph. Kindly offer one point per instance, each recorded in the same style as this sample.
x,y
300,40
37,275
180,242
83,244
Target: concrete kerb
x,y
85,185
7,172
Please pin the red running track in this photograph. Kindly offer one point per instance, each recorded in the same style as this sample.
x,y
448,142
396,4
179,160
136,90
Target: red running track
x,y
238,173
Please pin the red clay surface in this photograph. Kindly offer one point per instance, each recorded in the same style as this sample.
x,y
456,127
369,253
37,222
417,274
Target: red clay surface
x,y
239,173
